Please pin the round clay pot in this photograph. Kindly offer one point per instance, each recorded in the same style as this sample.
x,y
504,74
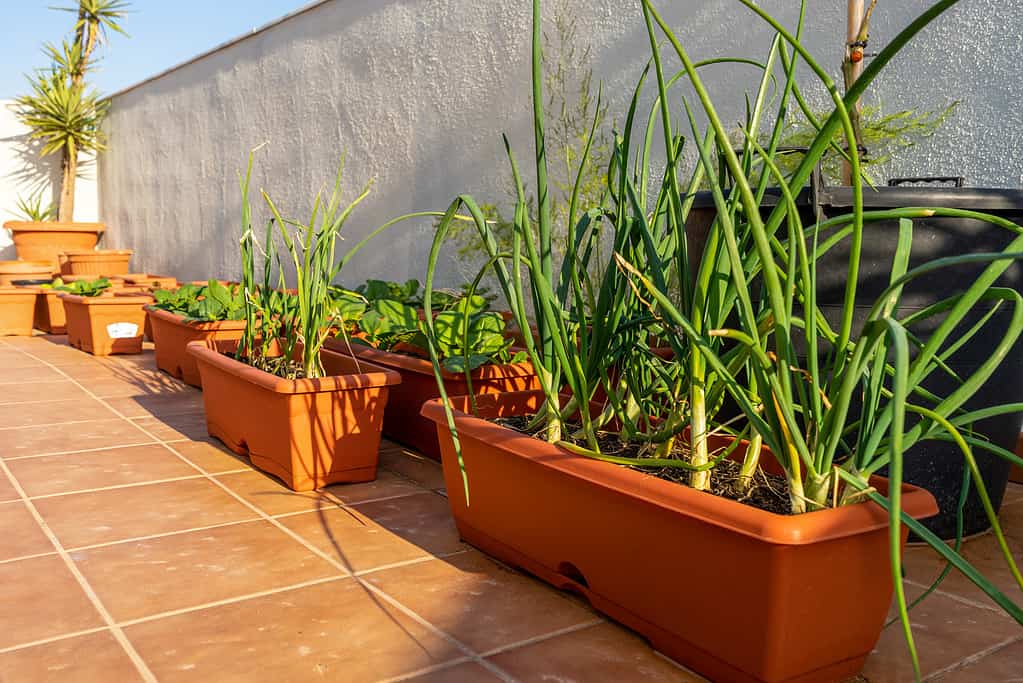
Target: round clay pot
x,y
24,270
98,262
35,241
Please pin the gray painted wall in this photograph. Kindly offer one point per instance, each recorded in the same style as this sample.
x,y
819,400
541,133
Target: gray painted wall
x,y
418,92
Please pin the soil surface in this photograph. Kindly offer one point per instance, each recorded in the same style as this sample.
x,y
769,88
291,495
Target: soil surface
x,y
768,492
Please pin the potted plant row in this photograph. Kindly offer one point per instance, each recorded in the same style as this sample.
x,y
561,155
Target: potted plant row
x,y
727,502
301,412
381,325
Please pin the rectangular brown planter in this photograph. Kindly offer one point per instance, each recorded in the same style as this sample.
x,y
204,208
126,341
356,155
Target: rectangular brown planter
x,y
721,587
105,324
402,421
307,432
17,311
172,333
49,311
149,281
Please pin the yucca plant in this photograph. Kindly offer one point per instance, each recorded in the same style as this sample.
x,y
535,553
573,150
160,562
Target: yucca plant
x,y
31,208
62,111
834,404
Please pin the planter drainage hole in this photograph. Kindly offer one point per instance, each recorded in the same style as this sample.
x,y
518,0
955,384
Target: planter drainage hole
x,y
570,571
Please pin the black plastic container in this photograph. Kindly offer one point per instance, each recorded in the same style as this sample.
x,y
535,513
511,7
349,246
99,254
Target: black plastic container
x,y
934,465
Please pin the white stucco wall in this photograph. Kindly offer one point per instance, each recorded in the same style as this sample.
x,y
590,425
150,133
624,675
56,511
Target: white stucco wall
x,y
23,172
418,92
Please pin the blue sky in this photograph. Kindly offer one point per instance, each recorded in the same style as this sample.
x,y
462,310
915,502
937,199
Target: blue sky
x,y
162,33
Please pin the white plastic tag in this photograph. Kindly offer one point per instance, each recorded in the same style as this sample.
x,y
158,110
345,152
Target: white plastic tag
x,y
122,330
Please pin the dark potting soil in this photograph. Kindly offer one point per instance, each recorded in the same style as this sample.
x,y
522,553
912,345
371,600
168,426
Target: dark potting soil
x,y
768,492
277,366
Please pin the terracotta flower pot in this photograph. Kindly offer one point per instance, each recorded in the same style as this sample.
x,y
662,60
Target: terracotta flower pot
x,y
49,311
308,432
402,421
730,591
17,309
45,241
24,270
172,333
106,324
96,263
150,281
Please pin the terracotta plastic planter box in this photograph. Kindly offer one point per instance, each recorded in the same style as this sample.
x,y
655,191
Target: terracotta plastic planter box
x,y
172,333
150,281
96,263
725,589
49,311
307,432
11,271
106,324
402,420
17,311
47,240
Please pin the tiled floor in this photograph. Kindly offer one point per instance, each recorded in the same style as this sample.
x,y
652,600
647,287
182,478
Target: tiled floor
x,y
133,548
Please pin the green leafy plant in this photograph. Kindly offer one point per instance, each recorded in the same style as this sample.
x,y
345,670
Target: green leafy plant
x,y
211,302
406,292
32,209
81,287
834,404
63,113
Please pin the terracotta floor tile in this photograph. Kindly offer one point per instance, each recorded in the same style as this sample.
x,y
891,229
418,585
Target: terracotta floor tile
x,y
423,519
39,598
1003,666
155,405
273,497
211,455
600,652
157,575
412,465
11,358
945,631
336,631
73,437
40,391
481,603
923,565
123,387
467,672
102,516
53,412
21,533
356,538
98,469
386,485
171,427
92,658
29,373
7,491
1013,493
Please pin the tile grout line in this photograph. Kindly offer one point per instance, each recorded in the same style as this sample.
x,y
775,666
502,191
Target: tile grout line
x,y
596,621
973,659
87,450
132,485
444,666
366,585
958,598
118,415
54,639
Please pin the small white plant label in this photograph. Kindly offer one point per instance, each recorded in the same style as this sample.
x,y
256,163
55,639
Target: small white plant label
x,y
122,330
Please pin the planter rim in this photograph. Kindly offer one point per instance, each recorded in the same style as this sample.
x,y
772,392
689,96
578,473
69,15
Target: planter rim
x,y
376,376
425,367
6,290
178,319
804,529
18,265
111,299
98,252
55,226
